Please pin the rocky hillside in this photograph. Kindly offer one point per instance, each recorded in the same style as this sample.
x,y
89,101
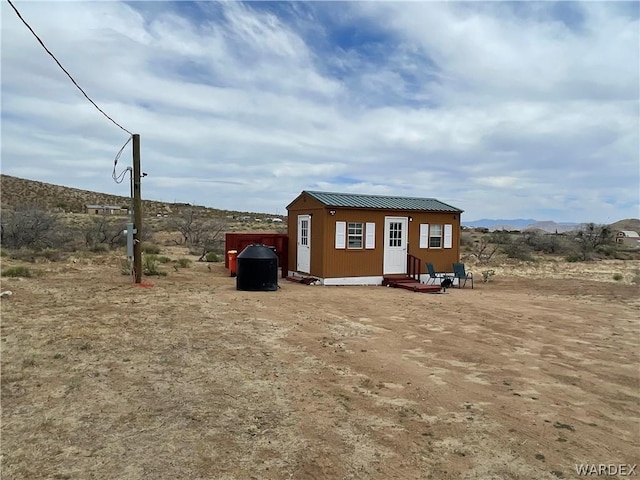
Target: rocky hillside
x,y
15,192
627,224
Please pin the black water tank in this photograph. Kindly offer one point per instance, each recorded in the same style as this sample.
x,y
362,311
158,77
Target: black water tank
x,y
257,269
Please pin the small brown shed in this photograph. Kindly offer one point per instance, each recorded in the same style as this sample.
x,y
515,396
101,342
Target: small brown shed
x,y
354,239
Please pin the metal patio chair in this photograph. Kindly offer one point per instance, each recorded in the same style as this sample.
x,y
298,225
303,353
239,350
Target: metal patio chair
x,y
433,276
460,273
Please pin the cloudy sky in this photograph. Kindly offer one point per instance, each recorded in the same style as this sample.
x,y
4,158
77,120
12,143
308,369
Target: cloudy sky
x,y
505,110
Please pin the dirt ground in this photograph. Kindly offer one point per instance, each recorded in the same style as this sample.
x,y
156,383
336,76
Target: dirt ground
x,y
520,378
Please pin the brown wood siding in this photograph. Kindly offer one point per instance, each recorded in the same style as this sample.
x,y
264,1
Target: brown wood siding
x,y
442,258
329,262
354,262
318,250
305,205
369,262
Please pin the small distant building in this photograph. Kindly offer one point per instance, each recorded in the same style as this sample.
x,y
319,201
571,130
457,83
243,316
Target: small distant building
x,y
628,238
105,210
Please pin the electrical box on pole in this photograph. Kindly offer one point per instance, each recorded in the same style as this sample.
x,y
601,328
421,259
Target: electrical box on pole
x,y
137,211
129,233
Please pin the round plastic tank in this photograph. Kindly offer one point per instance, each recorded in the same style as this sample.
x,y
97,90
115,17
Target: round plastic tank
x,y
257,269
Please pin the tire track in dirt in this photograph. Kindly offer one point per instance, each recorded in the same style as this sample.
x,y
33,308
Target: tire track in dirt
x,y
193,379
479,369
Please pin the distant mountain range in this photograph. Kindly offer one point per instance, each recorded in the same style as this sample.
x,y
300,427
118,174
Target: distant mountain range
x,y
490,222
547,226
522,224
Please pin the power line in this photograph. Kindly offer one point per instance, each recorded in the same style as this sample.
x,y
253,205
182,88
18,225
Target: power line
x,y
64,70
119,178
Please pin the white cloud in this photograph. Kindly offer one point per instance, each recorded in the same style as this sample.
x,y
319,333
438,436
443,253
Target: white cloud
x,y
497,108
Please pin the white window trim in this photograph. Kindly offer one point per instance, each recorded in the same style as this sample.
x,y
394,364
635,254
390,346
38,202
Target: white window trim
x,y
355,235
440,237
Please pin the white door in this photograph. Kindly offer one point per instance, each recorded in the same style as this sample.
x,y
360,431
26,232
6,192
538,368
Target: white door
x,y
395,245
304,244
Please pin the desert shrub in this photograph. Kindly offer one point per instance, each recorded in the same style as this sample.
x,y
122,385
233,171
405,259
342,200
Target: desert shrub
x,y
518,249
212,257
150,266
29,227
487,274
545,243
51,254
162,259
148,247
620,255
500,237
184,262
19,271
609,250
104,230
99,248
465,239
617,277
23,254
573,257
125,267
591,238
483,249
197,230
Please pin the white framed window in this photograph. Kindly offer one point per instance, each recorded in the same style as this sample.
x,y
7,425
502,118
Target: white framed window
x,y
395,234
304,232
355,233
435,236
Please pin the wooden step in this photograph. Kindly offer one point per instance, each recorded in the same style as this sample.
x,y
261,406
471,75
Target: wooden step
x,y
419,287
387,280
408,283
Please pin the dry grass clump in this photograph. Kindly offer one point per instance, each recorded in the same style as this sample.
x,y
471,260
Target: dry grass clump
x,y
148,247
20,271
150,266
184,262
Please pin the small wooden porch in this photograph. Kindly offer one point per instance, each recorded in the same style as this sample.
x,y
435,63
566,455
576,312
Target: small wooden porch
x,y
410,281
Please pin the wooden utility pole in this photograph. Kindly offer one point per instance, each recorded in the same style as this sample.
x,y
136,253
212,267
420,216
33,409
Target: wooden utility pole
x,y
137,211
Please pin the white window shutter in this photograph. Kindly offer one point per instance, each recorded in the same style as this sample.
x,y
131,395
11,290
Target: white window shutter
x,y
424,235
341,234
448,236
370,241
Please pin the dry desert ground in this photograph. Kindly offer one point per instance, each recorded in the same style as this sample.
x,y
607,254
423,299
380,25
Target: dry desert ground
x,y
520,378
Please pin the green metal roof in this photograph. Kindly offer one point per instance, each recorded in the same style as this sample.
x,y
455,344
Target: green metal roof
x,y
381,202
